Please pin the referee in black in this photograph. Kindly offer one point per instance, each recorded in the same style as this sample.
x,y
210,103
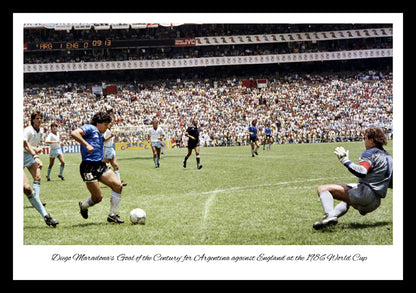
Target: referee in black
x,y
193,143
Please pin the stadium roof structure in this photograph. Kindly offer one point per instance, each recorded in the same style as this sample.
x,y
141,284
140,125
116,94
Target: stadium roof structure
x,y
96,26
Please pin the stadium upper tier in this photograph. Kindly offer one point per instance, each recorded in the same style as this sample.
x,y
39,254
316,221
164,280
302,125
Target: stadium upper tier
x,y
121,49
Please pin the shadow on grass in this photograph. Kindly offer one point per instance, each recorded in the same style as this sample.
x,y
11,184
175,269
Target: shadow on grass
x,y
355,226
366,225
89,224
66,227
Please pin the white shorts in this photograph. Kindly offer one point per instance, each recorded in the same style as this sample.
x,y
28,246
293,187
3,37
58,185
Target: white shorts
x,y
55,153
157,144
28,160
363,197
109,153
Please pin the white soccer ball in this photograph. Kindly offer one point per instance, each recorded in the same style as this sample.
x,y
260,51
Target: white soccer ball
x,y
138,216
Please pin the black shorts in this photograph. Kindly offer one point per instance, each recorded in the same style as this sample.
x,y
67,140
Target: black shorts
x,y
253,138
92,171
192,144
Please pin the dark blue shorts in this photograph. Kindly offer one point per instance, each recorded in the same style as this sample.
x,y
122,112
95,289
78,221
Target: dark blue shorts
x,y
92,171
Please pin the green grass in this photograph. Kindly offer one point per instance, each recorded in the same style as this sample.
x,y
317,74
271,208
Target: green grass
x,y
233,200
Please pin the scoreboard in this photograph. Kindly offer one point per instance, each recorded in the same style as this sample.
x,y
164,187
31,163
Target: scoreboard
x,y
47,46
95,44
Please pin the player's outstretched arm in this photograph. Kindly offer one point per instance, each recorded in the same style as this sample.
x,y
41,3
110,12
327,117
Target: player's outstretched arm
x,y
360,170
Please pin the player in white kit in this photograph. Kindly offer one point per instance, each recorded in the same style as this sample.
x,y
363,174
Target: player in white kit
x,y
54,141
155,136
109,152
32,135
375,173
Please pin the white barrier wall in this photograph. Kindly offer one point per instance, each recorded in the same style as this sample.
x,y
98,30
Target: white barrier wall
x,y
208,61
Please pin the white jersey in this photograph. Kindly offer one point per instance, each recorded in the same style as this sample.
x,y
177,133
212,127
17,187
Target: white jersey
x,y
54,137
156,134
32,136
108,142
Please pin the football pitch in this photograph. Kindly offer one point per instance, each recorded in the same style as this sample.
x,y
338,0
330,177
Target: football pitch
x,y
234,199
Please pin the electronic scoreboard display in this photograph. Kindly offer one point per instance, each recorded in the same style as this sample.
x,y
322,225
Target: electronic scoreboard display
x,y
46,46
95,44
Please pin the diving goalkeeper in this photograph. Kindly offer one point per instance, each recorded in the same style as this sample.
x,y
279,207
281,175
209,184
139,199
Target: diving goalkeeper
x,y
375,173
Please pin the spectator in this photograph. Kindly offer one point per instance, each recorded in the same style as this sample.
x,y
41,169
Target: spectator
x,y
307,108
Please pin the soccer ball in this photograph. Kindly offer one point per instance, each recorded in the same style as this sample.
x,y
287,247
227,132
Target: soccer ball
x,y
138,216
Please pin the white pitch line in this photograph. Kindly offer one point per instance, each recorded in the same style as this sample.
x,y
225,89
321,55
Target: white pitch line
x,y
208,204
238,187
210,200
265,185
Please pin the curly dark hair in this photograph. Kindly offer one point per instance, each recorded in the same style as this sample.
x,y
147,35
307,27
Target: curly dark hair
x,y
377,134
101,117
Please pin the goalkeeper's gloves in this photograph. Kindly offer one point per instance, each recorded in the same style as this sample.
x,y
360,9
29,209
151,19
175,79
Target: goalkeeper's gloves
x,y
342,155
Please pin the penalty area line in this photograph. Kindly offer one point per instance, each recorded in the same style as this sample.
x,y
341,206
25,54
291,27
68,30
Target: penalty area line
x,y
265,185
210,200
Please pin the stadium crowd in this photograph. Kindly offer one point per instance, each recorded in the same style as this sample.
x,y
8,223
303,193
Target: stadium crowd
x,y
301,108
